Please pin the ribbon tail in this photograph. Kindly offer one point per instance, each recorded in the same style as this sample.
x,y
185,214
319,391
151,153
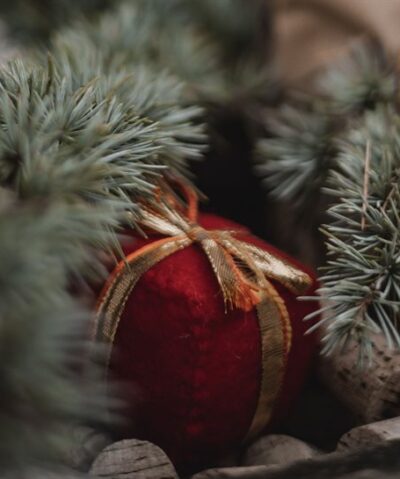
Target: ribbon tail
x,y
272,267
266,291
275,335
236,289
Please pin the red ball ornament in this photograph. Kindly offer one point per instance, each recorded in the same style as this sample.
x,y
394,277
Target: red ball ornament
x,y
205,333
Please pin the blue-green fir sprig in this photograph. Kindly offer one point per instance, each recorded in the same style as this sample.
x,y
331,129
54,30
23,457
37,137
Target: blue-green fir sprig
x,y
34,21
361,80
187,44
82,143
361,281
300,146
299,155
48,383
78,136
343,141
87,130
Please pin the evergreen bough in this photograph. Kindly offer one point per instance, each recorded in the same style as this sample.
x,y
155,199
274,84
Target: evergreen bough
x,y
344,142
42,331
75,132
34,21
88,126
213,47
82,142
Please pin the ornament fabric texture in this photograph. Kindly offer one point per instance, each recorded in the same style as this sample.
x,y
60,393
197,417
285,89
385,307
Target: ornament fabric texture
x,y
191,369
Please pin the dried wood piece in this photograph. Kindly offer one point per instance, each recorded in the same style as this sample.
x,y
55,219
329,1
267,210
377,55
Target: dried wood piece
x,y
278,449
133,459
253,472
370,434
273,472
373,393
36,473
380,461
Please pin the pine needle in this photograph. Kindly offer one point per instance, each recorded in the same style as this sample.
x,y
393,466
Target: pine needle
x,y
366,183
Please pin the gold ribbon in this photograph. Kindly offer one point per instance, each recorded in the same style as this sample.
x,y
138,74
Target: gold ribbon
x,y
243,272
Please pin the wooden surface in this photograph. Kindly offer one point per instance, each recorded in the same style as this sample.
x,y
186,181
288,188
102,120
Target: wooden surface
x,y
380,462
278,449
370,434
371,394
133,459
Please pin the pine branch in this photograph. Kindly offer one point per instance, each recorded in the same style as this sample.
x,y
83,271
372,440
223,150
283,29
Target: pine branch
x,y
344,142
86,132
300,147
239,27
34,21
364,79
70,135
295,160
187,44
361,284
42,327
82,141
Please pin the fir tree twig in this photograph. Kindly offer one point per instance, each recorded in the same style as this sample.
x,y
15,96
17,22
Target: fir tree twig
x,y
360,172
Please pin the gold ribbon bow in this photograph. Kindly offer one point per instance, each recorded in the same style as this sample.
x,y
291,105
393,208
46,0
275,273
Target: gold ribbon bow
x,y
244,273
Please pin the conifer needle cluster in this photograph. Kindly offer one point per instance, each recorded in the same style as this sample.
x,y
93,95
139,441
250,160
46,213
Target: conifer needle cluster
x,y
88,126
344,142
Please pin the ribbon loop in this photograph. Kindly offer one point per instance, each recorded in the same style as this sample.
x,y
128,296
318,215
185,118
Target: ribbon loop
x,y
243,271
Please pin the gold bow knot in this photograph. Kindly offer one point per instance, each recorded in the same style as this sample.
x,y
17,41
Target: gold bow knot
x,y
243,270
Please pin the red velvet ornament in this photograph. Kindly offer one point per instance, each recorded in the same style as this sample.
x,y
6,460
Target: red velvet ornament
x,y
191,369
